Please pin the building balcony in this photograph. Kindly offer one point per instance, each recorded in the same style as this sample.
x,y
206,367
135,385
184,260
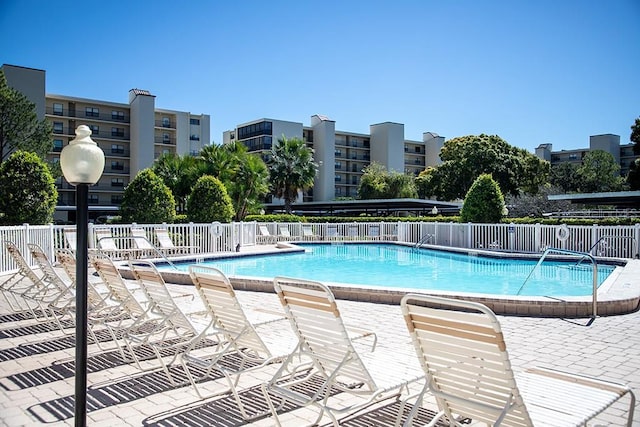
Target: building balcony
x,y
166,124
107,117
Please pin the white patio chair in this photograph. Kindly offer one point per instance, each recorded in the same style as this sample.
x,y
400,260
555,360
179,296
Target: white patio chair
x,y
284,233
264,236
24,281
142,243
323,338
308,234
463,354
243,346
167,246
177,328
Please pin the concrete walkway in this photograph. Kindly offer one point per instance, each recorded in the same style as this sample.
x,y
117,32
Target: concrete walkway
x,y
37,374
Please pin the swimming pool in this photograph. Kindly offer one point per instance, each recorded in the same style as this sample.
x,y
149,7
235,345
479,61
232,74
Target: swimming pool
x,y
396,266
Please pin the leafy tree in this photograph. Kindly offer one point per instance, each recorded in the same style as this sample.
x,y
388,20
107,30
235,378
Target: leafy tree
x,y
291,169
635,137
378,183
20,128
209,201
598,172
484,202
221,161
373,183
633,177
424,184
179,173
564,176
465,158
27,190
147,200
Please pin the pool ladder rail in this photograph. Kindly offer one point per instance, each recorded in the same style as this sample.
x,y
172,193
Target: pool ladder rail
x,y
583,256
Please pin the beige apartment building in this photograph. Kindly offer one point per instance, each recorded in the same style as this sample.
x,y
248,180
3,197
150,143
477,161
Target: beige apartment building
x,y
623,154
341,156
131,135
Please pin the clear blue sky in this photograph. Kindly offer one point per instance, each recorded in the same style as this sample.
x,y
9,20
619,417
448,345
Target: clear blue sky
x,y
531,72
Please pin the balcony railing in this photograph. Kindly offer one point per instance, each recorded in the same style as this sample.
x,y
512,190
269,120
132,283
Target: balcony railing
x,y
81,113
162,140
104,134
166,124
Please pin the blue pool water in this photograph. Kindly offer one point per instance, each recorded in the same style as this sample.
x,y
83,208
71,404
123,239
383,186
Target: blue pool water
x,y
395,266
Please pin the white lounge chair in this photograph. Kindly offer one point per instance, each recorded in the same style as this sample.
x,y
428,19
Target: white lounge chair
x,y
264,236
323,338
177,327
463,354
308,234
284,233
24,281
243,347
142,243
107,245
167,246
70,237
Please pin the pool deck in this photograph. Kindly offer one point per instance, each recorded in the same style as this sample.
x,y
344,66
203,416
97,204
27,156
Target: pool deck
x,y
37,374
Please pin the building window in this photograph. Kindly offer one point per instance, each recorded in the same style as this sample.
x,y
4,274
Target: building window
x,y
338,165
256,129
165,137
338,178
119,132
194,138
117,149
166,151
338,153
194,122
58,127
117,166
417,149
166,122
57,109
91,112
95,130
116,199
117,182
57,145
117,115
93,199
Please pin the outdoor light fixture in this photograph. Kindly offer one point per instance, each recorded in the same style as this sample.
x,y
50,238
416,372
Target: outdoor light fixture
x,y
82,163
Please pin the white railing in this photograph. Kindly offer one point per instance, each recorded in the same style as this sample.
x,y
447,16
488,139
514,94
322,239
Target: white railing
x,y
610,241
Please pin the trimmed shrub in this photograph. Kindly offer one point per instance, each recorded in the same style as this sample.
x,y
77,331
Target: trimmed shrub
x,y
147,200
209,201
484,202
27,190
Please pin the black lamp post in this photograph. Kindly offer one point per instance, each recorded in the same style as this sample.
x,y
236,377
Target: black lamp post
x,y
82,163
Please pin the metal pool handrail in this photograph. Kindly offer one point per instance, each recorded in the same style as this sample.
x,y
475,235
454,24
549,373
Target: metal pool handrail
x,y
577,253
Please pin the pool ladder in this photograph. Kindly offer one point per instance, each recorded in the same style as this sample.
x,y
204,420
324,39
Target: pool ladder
x,y
583,256
423,240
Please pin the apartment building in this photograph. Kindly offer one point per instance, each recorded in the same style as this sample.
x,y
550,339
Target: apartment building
x,y
610,143
131,135
342,156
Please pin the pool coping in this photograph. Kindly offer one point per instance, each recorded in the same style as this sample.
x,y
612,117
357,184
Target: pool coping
x,y
619,294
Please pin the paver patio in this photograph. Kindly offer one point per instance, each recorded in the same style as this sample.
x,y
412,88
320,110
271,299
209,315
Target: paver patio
x,y
37,382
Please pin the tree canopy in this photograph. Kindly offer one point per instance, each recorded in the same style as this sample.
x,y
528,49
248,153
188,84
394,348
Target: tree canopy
x,y
599,172
291,169
466,158
20,128
27,190
378,183
635,137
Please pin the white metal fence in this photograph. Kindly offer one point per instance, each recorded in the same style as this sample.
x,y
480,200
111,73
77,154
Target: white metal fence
x,y
610,241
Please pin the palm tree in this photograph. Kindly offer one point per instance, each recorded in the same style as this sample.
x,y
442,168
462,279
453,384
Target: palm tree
x,y
291,168
244,175
179,173
249,186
